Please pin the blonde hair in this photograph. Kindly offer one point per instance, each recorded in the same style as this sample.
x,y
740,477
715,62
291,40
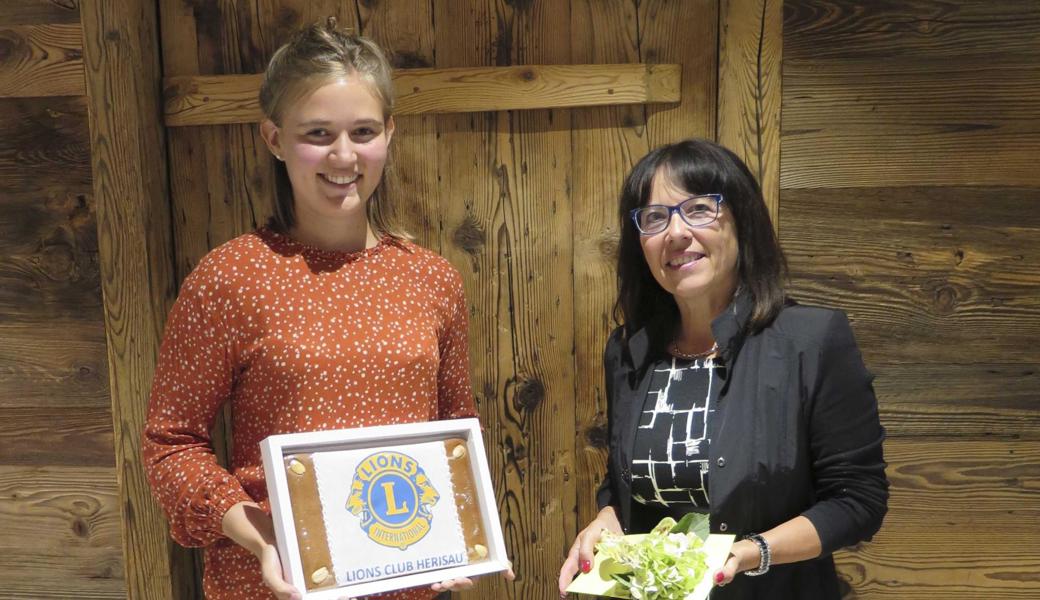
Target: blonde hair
x,y
311,58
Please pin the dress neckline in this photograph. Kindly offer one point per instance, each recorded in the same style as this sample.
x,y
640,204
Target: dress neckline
x,y
286,244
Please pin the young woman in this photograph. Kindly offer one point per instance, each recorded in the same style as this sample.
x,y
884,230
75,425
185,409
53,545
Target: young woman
x,y
326,318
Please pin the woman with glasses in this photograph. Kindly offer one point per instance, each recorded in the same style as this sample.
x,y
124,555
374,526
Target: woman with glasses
x,y
726,397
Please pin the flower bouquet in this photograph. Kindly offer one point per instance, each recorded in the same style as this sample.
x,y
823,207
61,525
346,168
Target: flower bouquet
x,y
672,562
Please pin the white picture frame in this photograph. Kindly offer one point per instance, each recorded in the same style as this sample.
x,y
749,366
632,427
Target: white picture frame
x,y
276,447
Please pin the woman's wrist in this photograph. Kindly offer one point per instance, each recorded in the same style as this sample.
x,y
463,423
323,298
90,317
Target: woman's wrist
x,y
608,519
249,526
748,555
764,555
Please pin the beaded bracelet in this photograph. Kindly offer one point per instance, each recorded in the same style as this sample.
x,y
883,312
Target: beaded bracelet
x,y
765,556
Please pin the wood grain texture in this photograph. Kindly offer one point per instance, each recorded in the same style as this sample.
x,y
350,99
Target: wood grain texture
x,y
64,217
53,366
908,199
222,189
923,272
685,33
78,509
994,401
911,123
943,483
534,86
535,362
79,504
523,308
86,573
967,568
911,93
73,436
41,60
750,89
39,12
129,165
212,100
224,99
471,233
960,514
44,150
49,259
606,142
177,22
893,29
59,518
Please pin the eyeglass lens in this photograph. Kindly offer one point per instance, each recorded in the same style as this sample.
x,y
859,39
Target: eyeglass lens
x,y
697,212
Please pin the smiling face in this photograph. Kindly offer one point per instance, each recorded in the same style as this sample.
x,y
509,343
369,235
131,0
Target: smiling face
x,y
334,142
692,264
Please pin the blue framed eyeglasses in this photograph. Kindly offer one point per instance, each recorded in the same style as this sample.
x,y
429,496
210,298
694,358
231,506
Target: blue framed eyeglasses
x,y
696,211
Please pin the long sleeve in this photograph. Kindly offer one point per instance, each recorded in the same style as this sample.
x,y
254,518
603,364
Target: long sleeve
x,y
454,391
193,379
846,444
295,339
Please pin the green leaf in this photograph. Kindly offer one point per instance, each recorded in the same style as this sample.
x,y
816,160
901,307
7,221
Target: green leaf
x,y
696,523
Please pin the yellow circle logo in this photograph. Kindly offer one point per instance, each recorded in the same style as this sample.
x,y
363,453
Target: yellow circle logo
x,y
393,498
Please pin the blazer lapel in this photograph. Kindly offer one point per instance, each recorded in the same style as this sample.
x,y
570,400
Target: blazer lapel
x,y
632,396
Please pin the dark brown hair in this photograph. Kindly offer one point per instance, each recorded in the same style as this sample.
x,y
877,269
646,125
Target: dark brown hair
x,y
699,167
312,57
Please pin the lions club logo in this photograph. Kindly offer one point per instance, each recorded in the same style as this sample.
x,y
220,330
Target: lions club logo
x,y
394,499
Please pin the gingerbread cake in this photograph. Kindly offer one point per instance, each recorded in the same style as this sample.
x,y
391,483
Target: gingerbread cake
x,y
365,515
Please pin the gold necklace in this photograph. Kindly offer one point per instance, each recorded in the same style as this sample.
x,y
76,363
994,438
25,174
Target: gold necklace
x,y
674,350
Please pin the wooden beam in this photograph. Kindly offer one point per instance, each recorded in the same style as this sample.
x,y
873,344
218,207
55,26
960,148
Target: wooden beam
x,y
121,51
529,87
212,99
223,99
750,53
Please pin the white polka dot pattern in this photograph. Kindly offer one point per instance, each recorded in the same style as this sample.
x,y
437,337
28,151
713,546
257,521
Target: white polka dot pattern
x,y
296,339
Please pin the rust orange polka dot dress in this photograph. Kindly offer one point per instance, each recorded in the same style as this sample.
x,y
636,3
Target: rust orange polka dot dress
x,y
296,339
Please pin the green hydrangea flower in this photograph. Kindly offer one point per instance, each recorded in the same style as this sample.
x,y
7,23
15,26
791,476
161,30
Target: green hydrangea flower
x,y
666,564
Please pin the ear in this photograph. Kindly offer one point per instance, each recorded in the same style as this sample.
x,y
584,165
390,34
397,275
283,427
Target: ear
x,y
390,127
269,131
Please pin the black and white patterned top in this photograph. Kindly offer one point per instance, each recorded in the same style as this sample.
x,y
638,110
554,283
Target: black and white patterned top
x,y
670,457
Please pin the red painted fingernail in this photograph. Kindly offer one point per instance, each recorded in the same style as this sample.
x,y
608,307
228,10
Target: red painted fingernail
x,y
719,577
586,566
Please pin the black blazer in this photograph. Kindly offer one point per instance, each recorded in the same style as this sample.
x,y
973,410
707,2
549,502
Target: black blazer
x,y
795,432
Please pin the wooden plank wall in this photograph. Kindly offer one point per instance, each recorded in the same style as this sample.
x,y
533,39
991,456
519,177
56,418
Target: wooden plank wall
x,y
59,498
128,163
521,202
907,195
910,196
